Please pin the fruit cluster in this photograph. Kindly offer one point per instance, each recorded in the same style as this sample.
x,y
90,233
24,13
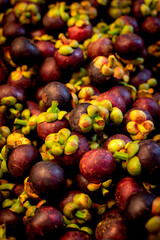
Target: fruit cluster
x,y
79,120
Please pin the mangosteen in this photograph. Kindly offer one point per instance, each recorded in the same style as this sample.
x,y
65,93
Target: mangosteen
x,y
47,179
100,47
129,46
45,44
124,189
122,91
123,137
54,20
113,226
75,235
75,115
116,99
56,91
97,165
148,104
49,71
12,91
69,55
13,30
13,222
130,20
138,207
80,33
21,160
141,77
24,52
47,223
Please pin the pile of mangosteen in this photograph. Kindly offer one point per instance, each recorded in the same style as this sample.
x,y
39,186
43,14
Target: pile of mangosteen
x,y
80,120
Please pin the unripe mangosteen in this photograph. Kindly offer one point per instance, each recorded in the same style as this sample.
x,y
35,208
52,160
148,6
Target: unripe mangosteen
x,y
21,160
49,71
24,52
124,189
56,91
47,178
97,165
75,235
113,226
13,30
47,223
101,47
116,99
129,46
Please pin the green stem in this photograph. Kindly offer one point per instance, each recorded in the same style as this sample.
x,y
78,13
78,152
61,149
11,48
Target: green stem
x,y
121,156
20,122
83,214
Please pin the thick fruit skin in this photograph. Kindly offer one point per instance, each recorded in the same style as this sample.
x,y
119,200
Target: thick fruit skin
x,y
75,235
129,46
97,165
56,91
112,226
24,52
46,223
75,115
21,159
125,188
47,178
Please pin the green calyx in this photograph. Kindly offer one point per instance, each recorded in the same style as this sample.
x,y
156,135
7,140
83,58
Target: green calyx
x,y
78,20
58,10
65,50
79,208
62,142
153,224
8,101
134,166
116,116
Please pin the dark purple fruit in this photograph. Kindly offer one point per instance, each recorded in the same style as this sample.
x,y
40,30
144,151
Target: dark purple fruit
x,y
116,99
56,91
21,160
101,47
49,71
46,128
112,227
24,52
47,178
12,220
124,189
138,207
129,46
13,30
33,107
141,77
148,104
97,165
151,29
46,48
80,33
76,235
47,223
122,91
148,155
9,90
75,115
